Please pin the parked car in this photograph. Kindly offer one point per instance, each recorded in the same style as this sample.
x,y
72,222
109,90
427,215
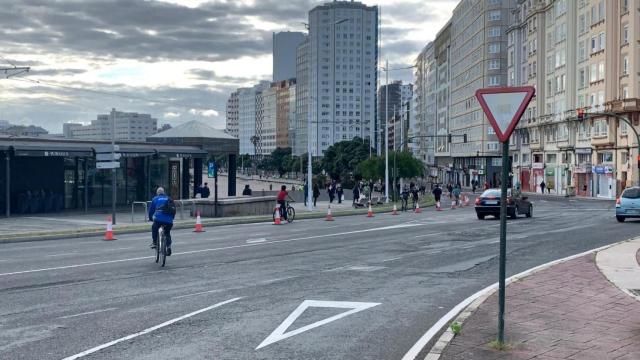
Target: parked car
x,y
628,204
489,204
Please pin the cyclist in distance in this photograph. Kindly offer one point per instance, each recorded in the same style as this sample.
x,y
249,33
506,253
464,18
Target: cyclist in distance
x,y
161,212
282,201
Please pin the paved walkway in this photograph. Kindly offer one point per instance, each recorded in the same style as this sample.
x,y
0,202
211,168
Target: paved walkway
x,y
568,311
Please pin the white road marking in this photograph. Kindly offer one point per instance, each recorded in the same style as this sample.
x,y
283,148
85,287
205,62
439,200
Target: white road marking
x,y
199,293
427,235
212,249
255,241
63,254
146,331
271,281
393,259
280,334
87,313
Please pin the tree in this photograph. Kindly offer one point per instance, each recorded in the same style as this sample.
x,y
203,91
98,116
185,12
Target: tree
x,y
372,168
407,165
341,159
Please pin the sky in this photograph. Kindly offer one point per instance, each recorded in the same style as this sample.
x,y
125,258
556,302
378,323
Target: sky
x,y
177,60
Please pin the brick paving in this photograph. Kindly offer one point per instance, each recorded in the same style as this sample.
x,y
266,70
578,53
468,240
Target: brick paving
x,y
569,311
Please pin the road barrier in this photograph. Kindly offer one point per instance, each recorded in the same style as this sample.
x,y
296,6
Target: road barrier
x,y
144,204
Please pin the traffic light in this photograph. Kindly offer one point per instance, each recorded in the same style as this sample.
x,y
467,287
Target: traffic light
x,y
449,138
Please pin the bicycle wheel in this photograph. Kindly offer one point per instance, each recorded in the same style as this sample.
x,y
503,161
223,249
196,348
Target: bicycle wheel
x,y
291,214
158,251
163,241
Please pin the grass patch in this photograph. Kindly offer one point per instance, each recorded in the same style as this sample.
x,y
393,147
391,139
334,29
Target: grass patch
x,y
500,346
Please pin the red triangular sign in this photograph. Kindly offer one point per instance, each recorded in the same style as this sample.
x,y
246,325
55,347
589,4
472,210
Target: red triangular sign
x,y
504,107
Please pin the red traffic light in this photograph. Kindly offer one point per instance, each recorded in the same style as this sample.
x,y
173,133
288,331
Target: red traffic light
x,y
581,114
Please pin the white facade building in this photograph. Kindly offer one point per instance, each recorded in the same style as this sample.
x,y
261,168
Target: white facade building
x,y
247,115
232,115
343,58
266,120
128,126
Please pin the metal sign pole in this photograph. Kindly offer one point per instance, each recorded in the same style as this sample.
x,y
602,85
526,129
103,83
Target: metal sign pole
x,y
113,171
503,239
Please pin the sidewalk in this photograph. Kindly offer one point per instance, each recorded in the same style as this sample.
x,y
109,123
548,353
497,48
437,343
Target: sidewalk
x,y
568,311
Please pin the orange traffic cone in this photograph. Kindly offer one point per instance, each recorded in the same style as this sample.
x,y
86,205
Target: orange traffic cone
x,y
277,220
329,216
370,212
109,234
395,210
198,228
418,210
438,207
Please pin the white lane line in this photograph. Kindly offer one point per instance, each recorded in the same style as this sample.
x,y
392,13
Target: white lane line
x,y
393,259
271,281
427,235
63,254
146,331
87,313
392,227
435,329
255,241
199,293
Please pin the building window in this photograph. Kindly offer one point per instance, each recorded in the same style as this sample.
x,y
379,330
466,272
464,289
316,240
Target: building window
x,y
625,34
625,92
494,48
494,15
494,32
602,39
494,80
625,65
494,64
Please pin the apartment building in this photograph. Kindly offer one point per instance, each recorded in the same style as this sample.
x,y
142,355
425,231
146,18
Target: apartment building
x,y
302,101
128,126
589,63
232,118
266,106
285,44
248,122
285,112
342,72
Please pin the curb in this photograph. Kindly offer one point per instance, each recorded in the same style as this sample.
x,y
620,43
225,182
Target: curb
x,y
187,224
613,281
465,308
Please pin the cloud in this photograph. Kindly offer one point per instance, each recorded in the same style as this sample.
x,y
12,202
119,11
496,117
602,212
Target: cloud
x,y
165,57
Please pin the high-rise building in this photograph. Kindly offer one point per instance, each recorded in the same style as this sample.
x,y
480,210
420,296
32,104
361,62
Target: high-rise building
x,y
285,112
424,100
266,107
387,111
285,45
128,126
232,115
302,100
342,77
247,117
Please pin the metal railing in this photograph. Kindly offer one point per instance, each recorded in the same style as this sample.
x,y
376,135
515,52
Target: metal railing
x,y
144,204
182,203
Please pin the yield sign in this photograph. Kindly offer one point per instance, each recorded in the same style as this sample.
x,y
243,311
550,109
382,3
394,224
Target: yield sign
x,y
280,334
504,107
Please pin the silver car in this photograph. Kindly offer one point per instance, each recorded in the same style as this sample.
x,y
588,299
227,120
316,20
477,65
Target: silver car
x,y
628,204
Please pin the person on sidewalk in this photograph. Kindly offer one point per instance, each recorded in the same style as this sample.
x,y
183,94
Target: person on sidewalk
x,y
456,194
450,190
339,192
356,193
316,193
247,191
331,192
206,191
306,192
437,193
542,186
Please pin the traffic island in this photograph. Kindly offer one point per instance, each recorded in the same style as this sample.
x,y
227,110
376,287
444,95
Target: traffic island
x,y
567,311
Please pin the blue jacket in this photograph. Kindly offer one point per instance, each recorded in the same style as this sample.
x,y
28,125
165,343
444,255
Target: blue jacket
x,y
155,215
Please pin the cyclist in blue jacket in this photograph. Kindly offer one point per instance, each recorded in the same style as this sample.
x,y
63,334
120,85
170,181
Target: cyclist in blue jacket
x,y
161,213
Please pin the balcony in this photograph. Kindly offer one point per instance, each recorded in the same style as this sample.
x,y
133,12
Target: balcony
x,y
603,140
535,145
624,105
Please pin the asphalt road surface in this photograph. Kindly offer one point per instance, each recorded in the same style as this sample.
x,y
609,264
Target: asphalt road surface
x,y
355,288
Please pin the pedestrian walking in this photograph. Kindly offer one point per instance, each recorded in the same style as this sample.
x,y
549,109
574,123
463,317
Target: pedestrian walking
x,y
486,185
332,193
205,191
437,193
456,194
316,193
367,192
474,184
450,190
356,194
306,192
542,186
339,191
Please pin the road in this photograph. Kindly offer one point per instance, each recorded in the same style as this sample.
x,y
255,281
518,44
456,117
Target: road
x,y
369,288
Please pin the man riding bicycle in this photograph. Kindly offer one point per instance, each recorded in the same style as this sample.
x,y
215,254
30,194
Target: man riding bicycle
x,y
282,201
161,212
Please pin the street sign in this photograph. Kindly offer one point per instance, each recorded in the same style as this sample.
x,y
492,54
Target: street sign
x,y
108,156
101,149
108,165
504,107
211,170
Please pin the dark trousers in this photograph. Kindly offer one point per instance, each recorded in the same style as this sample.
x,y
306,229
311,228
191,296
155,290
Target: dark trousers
x,y
283,209
167,230
314,200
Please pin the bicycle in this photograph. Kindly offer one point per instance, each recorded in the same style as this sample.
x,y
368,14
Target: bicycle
x,y
161,247
291,212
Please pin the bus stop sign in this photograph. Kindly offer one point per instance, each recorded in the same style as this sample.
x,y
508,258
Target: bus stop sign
x,y
504,107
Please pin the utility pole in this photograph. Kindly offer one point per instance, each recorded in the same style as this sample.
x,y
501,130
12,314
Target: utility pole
x,y
386,134
113,171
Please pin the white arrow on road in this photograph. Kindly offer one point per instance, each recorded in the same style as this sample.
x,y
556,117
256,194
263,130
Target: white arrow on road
x,y
280,334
